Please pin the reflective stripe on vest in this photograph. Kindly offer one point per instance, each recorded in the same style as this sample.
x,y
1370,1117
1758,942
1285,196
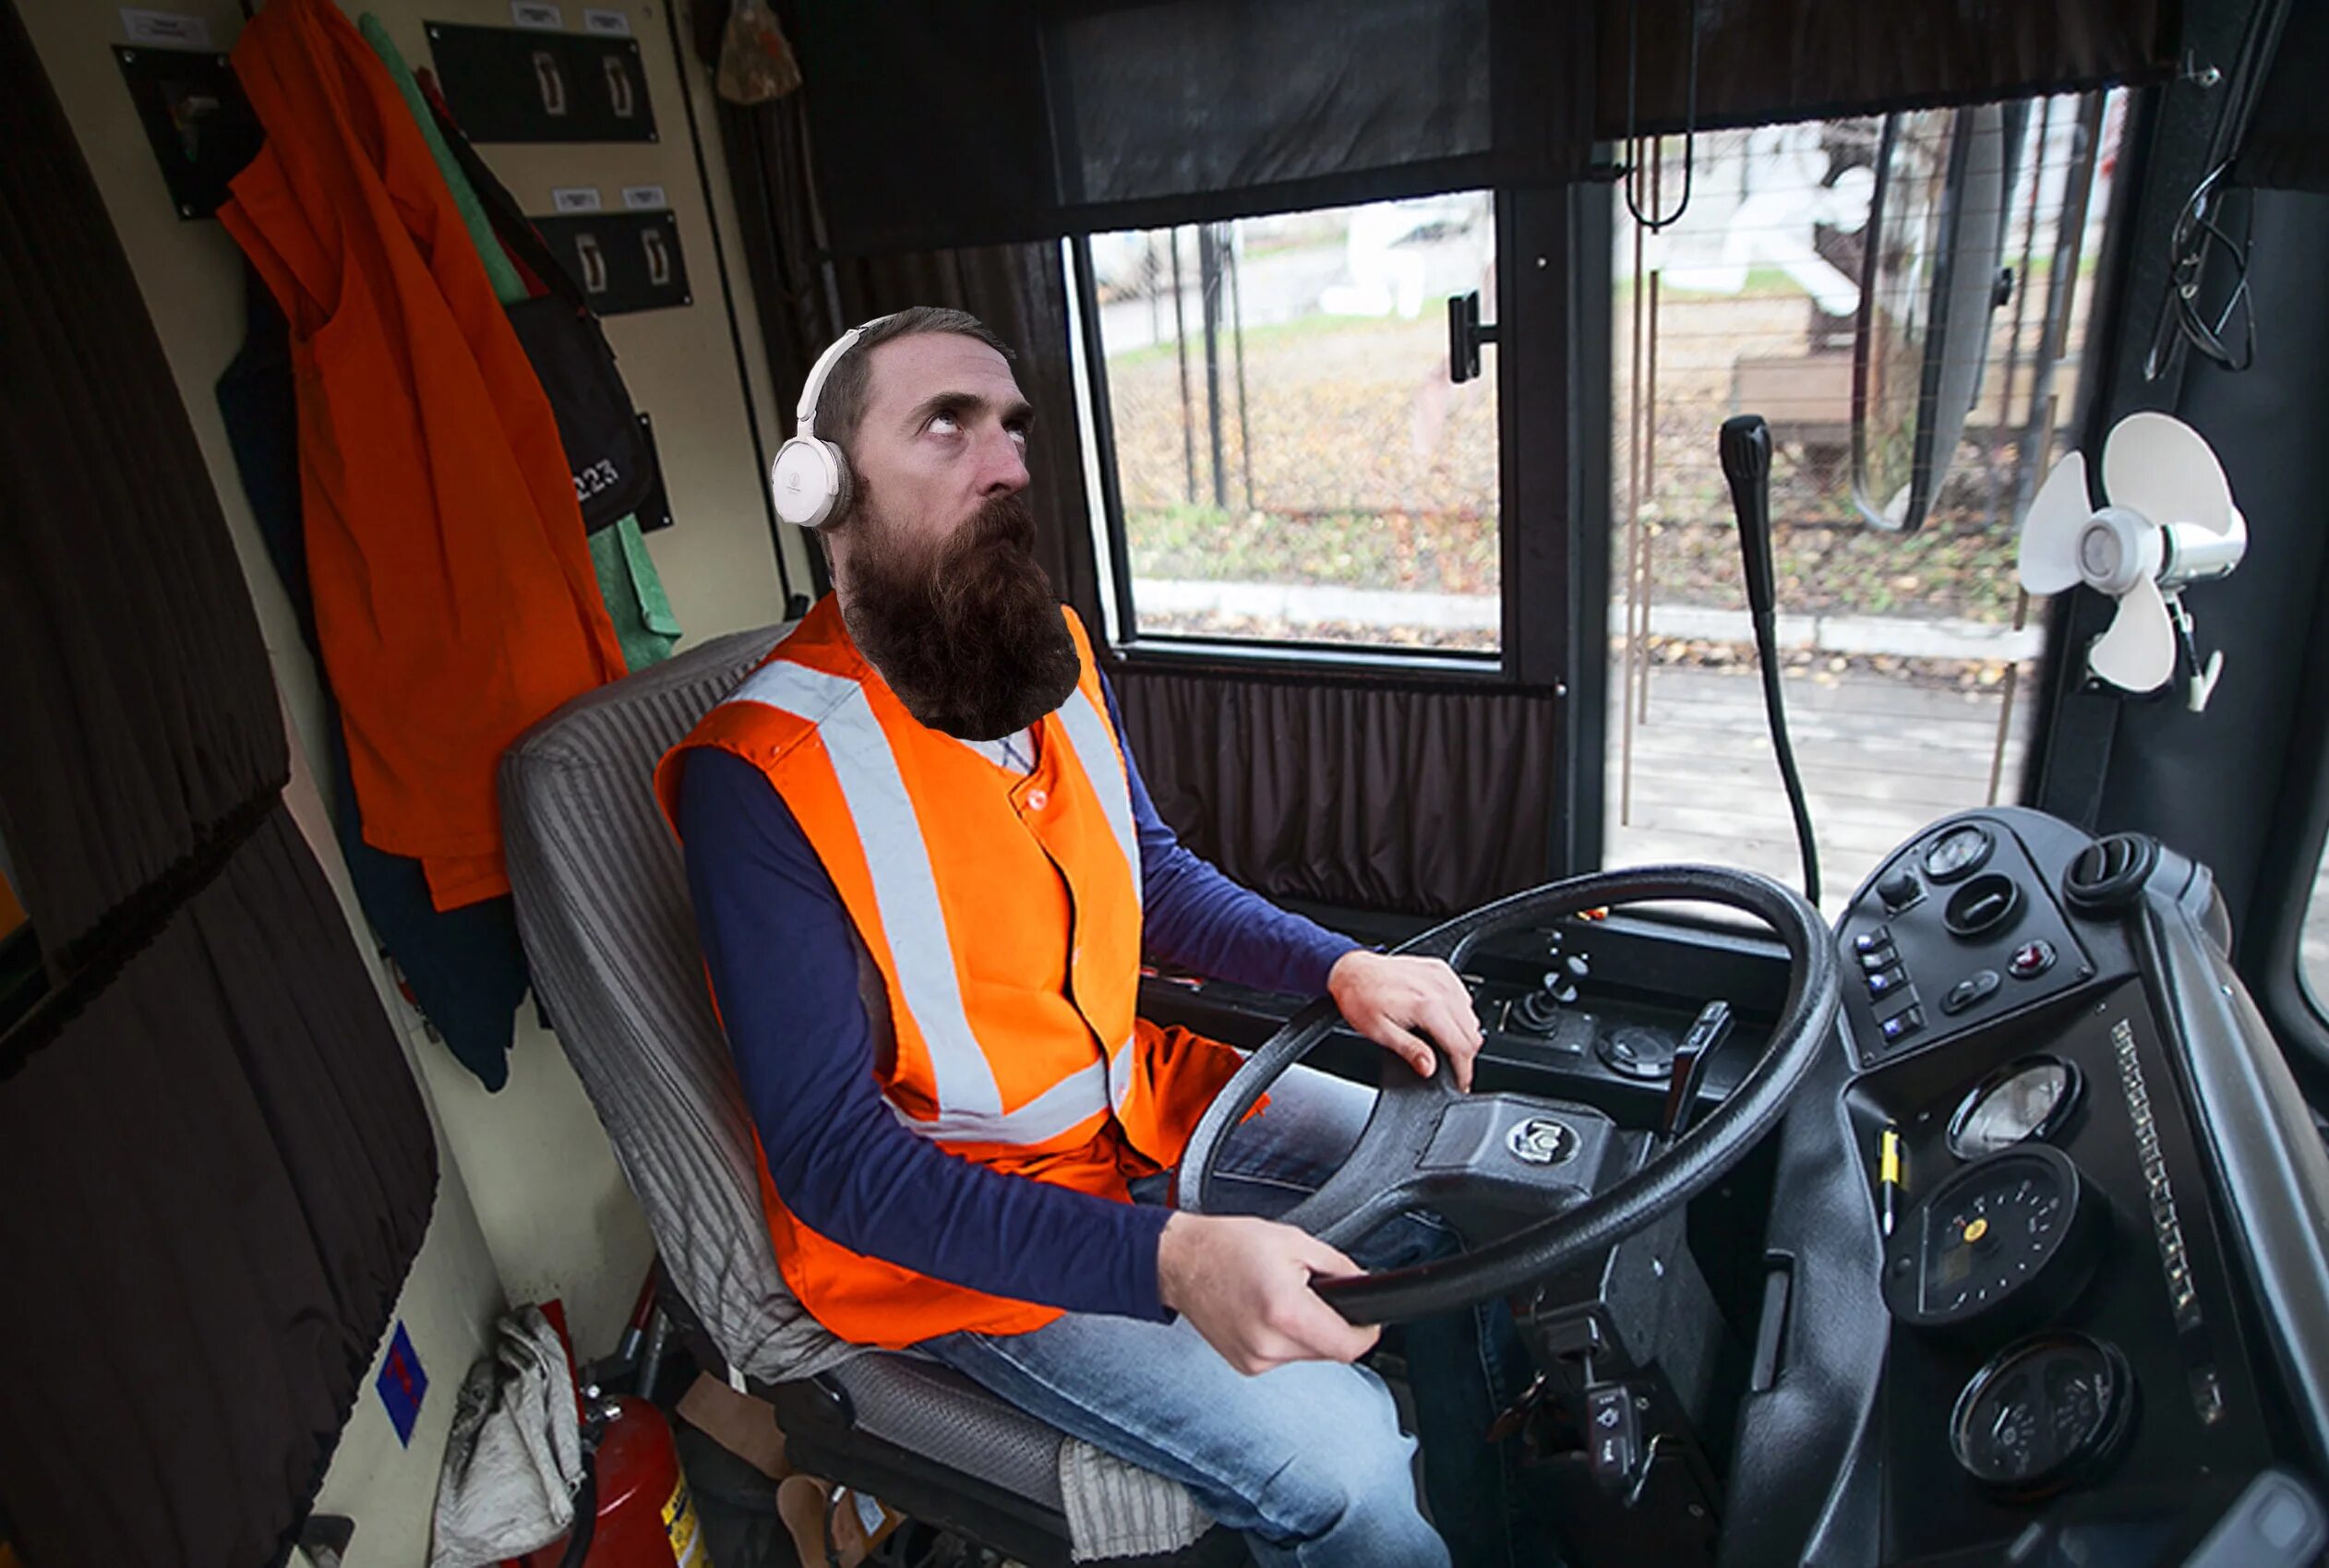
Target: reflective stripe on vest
x,y
906,893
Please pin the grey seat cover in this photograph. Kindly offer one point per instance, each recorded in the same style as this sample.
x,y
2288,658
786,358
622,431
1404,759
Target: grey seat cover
x,y
601,904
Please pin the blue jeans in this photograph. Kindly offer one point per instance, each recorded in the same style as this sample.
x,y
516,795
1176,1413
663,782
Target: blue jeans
x,y
1307,1460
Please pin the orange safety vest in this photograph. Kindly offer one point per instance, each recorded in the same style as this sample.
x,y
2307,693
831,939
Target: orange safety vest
x,y
455,598
1003,914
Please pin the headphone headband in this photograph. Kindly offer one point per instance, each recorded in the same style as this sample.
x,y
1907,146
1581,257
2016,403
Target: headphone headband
x,y
805,417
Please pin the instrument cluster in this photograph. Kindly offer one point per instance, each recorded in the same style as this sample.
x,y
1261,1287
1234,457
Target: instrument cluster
x,y
2064,1345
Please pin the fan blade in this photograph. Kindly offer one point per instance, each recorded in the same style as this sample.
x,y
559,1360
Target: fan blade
x,y
2159,466
2050,529
2139,651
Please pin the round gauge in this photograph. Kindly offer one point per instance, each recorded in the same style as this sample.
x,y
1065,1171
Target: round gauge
x,y
2042,1412
1959,852
2031,1099
2012,1235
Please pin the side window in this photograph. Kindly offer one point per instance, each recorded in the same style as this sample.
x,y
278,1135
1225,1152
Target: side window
x,y
1908,660
2312,949
1290,460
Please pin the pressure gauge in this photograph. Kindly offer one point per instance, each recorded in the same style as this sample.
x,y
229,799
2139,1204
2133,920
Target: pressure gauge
x,y
2042,1413
2033,1098
2013,1235
1959,852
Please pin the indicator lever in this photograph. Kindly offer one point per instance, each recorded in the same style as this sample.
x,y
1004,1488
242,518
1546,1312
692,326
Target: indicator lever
x,y
1690,1058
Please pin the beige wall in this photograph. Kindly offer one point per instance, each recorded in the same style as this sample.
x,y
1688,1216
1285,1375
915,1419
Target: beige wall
x,y
530,1203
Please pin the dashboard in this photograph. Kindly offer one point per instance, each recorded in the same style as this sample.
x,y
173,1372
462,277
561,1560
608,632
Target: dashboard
x,y
2035,1272
2088,1357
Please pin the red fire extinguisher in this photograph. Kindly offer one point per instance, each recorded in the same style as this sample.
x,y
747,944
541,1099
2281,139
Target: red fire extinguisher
x,y
632,1509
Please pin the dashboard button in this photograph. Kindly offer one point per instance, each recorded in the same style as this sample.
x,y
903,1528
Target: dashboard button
x,y
1899,890
1880,958
1970,991
1885,982
2031,959
1872,940
1904,1023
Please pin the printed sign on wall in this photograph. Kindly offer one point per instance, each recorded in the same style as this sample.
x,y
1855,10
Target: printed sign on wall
x,y
402,1384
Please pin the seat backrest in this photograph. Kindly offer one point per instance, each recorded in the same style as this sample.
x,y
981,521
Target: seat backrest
x,y
602,903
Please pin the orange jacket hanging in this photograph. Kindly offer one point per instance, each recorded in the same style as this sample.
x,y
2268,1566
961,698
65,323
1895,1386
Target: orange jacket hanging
x,y
1003,914
455,600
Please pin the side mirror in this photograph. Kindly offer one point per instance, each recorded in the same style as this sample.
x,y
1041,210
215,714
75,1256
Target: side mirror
x,y
1929,283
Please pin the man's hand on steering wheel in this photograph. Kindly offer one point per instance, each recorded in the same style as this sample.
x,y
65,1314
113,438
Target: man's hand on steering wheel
x,y
1408,1006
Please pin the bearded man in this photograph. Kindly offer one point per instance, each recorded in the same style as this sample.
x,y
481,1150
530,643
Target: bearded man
x,y
924,870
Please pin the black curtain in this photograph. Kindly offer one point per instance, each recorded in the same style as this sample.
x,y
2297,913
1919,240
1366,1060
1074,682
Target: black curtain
x,y
981,121
1402,799
1764,61
215,1166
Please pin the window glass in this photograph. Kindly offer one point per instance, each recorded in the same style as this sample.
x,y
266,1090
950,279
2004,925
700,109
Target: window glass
x,y
1908,660
2312,949
1294,460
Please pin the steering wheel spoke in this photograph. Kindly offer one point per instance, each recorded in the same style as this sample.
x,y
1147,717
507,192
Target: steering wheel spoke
x,y
1487,1161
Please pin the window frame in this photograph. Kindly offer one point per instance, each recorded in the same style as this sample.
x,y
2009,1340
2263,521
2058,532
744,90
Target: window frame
x,y
1536,534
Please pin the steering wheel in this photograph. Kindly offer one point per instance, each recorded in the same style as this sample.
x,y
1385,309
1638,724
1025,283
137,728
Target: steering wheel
x,y
1429,1144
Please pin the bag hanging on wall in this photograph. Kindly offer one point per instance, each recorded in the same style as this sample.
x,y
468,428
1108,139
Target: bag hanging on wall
x,y
614,465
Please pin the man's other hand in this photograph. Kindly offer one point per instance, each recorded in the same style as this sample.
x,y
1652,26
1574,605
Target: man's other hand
x,y
1407,1006
1244,1284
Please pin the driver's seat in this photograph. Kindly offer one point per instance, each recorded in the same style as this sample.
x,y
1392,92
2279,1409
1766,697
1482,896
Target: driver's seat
x,y
602,905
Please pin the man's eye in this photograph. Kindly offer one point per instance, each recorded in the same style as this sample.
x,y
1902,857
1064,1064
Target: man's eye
x,y
1019,434
945,424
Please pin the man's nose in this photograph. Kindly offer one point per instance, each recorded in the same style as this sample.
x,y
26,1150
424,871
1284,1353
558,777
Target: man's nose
x,y
1002,463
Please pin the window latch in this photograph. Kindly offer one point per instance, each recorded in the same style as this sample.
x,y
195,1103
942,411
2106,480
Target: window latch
x,y
1466,332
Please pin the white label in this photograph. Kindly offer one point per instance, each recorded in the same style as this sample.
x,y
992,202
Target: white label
x,y
644,198
577,199
607,24
868,1512
166,29
534,14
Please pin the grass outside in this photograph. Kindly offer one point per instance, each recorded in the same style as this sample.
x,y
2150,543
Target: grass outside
x,y
1358,464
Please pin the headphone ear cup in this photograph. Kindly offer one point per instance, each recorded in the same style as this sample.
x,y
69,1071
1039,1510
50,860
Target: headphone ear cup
x,y
844,490
807,481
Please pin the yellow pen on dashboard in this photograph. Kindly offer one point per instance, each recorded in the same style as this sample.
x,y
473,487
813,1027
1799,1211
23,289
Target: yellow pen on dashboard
x,y
1889,1175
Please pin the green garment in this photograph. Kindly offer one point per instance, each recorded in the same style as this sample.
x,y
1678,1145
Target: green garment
x,y
627,577
628,582
507,286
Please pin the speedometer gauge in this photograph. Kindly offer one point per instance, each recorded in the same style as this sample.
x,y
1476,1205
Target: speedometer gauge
x,y
2034,1097
2012,1235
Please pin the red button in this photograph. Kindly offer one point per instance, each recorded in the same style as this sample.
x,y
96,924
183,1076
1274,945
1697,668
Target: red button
x,y
2031,959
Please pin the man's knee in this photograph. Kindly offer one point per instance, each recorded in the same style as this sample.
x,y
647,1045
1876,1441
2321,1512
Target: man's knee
x,y
1350,1466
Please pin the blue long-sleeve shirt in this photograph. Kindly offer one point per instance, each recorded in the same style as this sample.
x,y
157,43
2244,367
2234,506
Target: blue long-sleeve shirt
x,y
777,939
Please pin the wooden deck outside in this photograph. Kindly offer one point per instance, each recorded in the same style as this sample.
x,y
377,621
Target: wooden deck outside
x,y
1880,758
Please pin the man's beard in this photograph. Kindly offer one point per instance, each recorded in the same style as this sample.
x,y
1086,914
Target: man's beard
x,y
969,634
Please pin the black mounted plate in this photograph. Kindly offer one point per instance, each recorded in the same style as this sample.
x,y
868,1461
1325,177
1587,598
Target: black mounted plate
x,y
519,84
622,261
199,124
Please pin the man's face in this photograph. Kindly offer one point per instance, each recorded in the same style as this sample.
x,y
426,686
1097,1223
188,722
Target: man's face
x,y
934,563
945,432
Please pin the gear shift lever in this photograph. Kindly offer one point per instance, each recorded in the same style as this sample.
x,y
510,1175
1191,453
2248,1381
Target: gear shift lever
x,y
1747,463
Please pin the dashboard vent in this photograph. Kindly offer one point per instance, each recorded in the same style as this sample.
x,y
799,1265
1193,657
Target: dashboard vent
x,y
2109,873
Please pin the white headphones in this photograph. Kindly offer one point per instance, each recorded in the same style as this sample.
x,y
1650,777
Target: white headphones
x,y
810,477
